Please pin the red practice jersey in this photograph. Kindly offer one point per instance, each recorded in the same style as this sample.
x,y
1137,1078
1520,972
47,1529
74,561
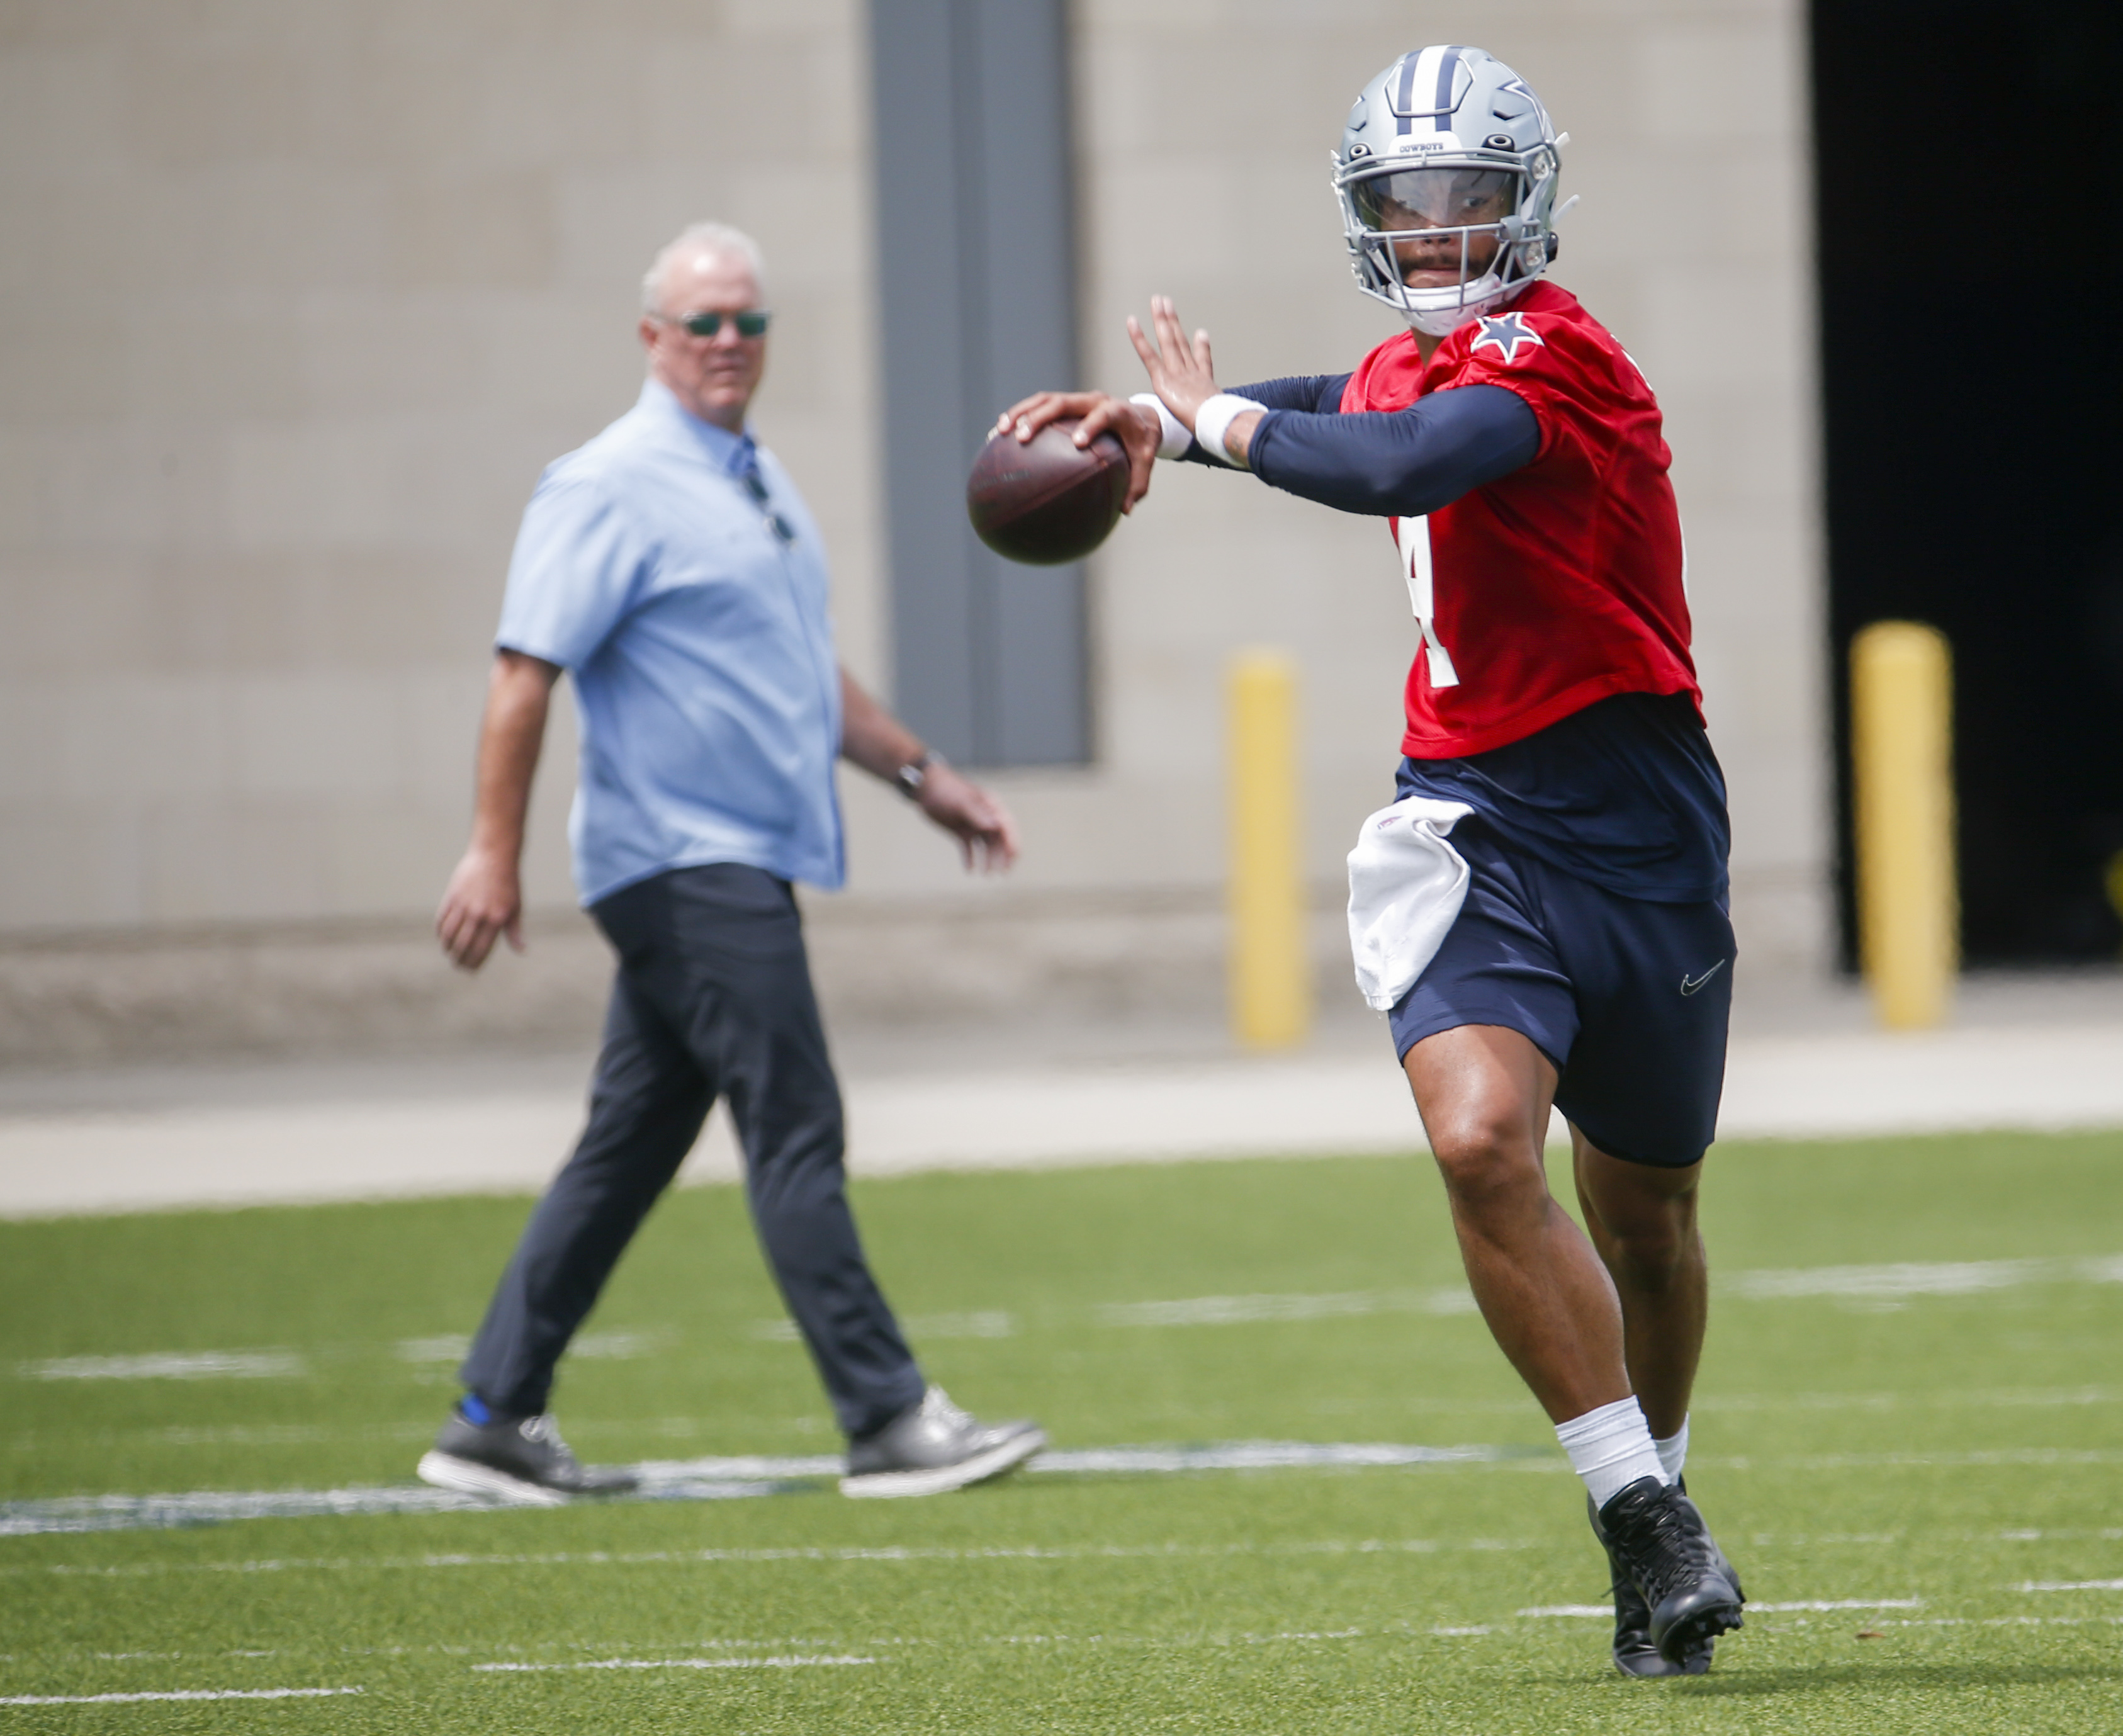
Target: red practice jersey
x,y
1563,582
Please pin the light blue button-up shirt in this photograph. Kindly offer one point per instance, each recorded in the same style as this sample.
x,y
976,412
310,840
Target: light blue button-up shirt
x,y
696,630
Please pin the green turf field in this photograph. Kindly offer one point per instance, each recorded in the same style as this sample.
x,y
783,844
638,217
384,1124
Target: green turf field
x,y
1910,1410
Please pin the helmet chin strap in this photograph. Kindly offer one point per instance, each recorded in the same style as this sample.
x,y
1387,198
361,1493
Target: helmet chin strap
x,y
1465,307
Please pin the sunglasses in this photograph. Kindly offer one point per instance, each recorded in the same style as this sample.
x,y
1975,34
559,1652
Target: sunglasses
x,y
752,323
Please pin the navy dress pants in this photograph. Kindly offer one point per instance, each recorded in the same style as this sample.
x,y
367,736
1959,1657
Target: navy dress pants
x,y
713,998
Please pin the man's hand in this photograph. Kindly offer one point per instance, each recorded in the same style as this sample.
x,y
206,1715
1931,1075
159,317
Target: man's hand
x,y
881,744
987,834
1136,428
484,897
483,902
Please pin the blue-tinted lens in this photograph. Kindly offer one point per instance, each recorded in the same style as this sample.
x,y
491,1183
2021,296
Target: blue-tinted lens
x,y
751,323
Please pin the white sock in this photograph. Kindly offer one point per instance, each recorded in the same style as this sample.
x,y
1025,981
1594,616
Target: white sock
x,y
1673,1452
1610,1449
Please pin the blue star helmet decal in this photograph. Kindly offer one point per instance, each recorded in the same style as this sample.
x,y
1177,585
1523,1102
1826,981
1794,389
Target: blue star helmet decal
x,y
1508,332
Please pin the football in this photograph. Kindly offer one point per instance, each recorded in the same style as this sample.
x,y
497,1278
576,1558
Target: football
x,y
1046,501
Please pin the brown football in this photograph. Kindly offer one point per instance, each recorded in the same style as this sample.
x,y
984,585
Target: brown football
x,y
1046,501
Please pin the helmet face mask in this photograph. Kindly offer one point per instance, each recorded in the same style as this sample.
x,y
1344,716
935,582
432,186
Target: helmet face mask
x,y
1440,229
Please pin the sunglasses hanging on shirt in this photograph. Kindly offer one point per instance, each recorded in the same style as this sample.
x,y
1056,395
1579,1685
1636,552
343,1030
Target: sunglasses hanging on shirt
x,y
757,490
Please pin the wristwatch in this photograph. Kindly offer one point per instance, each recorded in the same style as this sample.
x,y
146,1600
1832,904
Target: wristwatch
x,y
911,776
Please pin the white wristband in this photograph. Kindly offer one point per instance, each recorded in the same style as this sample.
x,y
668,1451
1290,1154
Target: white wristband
x,y
1173,436
1213,421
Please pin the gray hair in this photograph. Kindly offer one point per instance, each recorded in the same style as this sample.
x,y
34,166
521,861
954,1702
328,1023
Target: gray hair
x,y
719,239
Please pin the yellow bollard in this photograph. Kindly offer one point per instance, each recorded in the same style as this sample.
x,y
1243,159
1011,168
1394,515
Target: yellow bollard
x,y
1271,979
1901,752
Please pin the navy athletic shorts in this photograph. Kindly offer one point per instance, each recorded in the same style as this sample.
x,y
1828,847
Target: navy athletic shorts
x,y
1628,998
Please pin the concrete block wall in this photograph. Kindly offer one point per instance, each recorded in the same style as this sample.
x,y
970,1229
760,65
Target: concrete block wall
x,y
298,300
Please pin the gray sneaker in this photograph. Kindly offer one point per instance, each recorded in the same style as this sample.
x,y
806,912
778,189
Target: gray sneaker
x,y
934,1447
514,1459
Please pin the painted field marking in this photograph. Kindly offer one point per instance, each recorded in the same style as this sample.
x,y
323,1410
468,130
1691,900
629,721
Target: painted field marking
x,y
607,1346
2006,1621
1604,1611
1886,1284
1919,1461
679,1663
714,1557
741,1479
2002,1398
307,1693
1232,1311
2061,1533
1271,1456
704,1480
307,1434
294,1434
981,1323
1881,1285
2070,1585
1813,1605
184,1365
451,1347
1896,1281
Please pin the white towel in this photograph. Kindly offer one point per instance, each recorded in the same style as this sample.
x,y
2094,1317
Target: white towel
x,y
1406,885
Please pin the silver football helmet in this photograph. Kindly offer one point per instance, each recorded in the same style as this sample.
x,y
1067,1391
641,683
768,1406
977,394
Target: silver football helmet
x,y
1446,179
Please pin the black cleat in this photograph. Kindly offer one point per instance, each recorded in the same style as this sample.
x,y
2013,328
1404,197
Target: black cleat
x,y
515,1458
1634,1653
1686,1593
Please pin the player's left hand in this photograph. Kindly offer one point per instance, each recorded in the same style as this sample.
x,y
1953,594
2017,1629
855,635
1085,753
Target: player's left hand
x,y
987,834
1181,369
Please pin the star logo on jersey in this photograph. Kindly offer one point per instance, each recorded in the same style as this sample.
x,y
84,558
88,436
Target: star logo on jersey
x,y
1508,333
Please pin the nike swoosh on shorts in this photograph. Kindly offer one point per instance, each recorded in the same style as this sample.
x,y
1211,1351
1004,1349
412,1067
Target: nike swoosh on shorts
x,y
1689,984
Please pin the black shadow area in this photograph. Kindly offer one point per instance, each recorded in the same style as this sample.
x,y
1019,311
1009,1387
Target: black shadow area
x,y
1970,258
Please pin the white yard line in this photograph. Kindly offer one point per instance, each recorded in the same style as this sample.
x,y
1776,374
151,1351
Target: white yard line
x,y
1605,1613
678,1664
745,1557
1270,1456
2007,1622
1231,1311
699,1480
749,1478
311,1434
176,1365
291,1693
1815,1605
1915,1461
1871,1286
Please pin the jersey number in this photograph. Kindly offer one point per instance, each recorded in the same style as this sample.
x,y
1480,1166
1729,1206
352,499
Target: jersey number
x,y
1412,536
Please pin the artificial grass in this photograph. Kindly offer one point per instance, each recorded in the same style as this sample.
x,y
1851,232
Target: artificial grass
x,y
1926,1454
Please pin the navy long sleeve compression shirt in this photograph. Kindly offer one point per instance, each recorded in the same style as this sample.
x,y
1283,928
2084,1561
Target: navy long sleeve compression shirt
x,y
1404,462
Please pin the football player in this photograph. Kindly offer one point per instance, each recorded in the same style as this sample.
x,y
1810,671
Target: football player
x,y
1555,762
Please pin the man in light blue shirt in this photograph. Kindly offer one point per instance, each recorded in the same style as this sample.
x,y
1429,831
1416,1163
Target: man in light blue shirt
x,y
670,568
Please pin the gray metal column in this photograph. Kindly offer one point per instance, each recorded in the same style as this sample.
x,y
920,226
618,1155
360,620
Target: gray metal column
x,y
977,270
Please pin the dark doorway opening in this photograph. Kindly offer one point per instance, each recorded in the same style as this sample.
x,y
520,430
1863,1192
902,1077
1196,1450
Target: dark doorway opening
x,y
1971,300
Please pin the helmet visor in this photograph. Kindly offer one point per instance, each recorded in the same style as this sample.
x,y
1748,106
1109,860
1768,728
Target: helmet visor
x,y
1440,197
